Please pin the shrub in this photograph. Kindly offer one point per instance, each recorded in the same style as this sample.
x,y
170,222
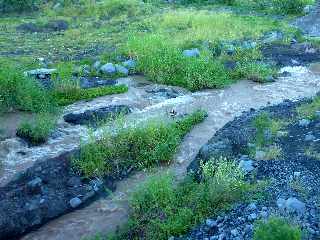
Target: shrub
x,y
20,92
164,62
309,110
134,147
161,208
37,131
70,95
276,229
19,5
289,6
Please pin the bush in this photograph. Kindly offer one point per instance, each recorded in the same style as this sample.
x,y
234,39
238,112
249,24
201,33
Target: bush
x,y
134,147
163,62
20,92
276,229
19,5
161,208
68,96
37,131
289,6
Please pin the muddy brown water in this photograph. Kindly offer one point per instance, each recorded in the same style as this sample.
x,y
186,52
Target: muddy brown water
x,y
105,215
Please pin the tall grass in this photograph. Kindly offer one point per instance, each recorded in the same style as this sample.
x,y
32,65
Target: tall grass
x,y
134,147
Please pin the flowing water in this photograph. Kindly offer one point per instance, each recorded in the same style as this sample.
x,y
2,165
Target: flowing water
x,y
105,215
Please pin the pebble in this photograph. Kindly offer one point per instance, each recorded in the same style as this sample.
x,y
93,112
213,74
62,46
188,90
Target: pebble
x,y
191,52
75,202
211,223
108,68
304,123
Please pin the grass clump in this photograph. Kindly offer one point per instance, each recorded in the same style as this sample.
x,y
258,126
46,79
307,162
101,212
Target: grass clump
x,y
266,129
37,131
135,147
8,6
309,110
276,229
164,63
18,92
68,96
162,208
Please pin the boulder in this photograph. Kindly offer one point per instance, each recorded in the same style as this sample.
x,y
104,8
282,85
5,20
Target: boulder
x,y
108,68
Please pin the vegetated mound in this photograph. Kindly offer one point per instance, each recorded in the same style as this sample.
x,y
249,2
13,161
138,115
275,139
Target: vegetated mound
x,y
279,145
55,186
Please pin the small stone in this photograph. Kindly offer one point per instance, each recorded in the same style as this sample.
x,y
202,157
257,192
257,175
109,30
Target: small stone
x,y
75,202
191,52
222,236
281,203
122,70
97,65
234,232
309,137
264,214
246,164
295,205
252,207
108,68
211,223
252,217
130,64
260,155
34,186
248,228
304,123
296,174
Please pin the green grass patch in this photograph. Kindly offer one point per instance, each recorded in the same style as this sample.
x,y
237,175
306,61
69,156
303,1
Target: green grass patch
x,y
159,51
135,147
276,229
309,110
38,130
68,96
22,93
161,208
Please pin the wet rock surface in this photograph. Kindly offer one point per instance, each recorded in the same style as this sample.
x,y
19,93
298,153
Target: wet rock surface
x,y
294,175
93,117
93,82
296,54
42,193
310,24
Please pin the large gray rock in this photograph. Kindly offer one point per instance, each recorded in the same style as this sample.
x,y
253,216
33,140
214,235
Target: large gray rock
x,y
295,205
191,52
108,68
122,70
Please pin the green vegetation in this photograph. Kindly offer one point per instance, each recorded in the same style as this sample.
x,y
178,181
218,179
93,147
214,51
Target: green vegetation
x,y
71,95
312,152
7,6
276,229
309,110
159,51
162,208
20,92
266,129
37,131
135,147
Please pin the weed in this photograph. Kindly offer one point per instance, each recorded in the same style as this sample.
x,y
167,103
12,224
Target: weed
x,y
309,110
37,131
68,96
276,229
20,92
135,147
312,153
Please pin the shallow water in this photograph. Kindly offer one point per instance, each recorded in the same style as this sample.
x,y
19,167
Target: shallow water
x,y
222,106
